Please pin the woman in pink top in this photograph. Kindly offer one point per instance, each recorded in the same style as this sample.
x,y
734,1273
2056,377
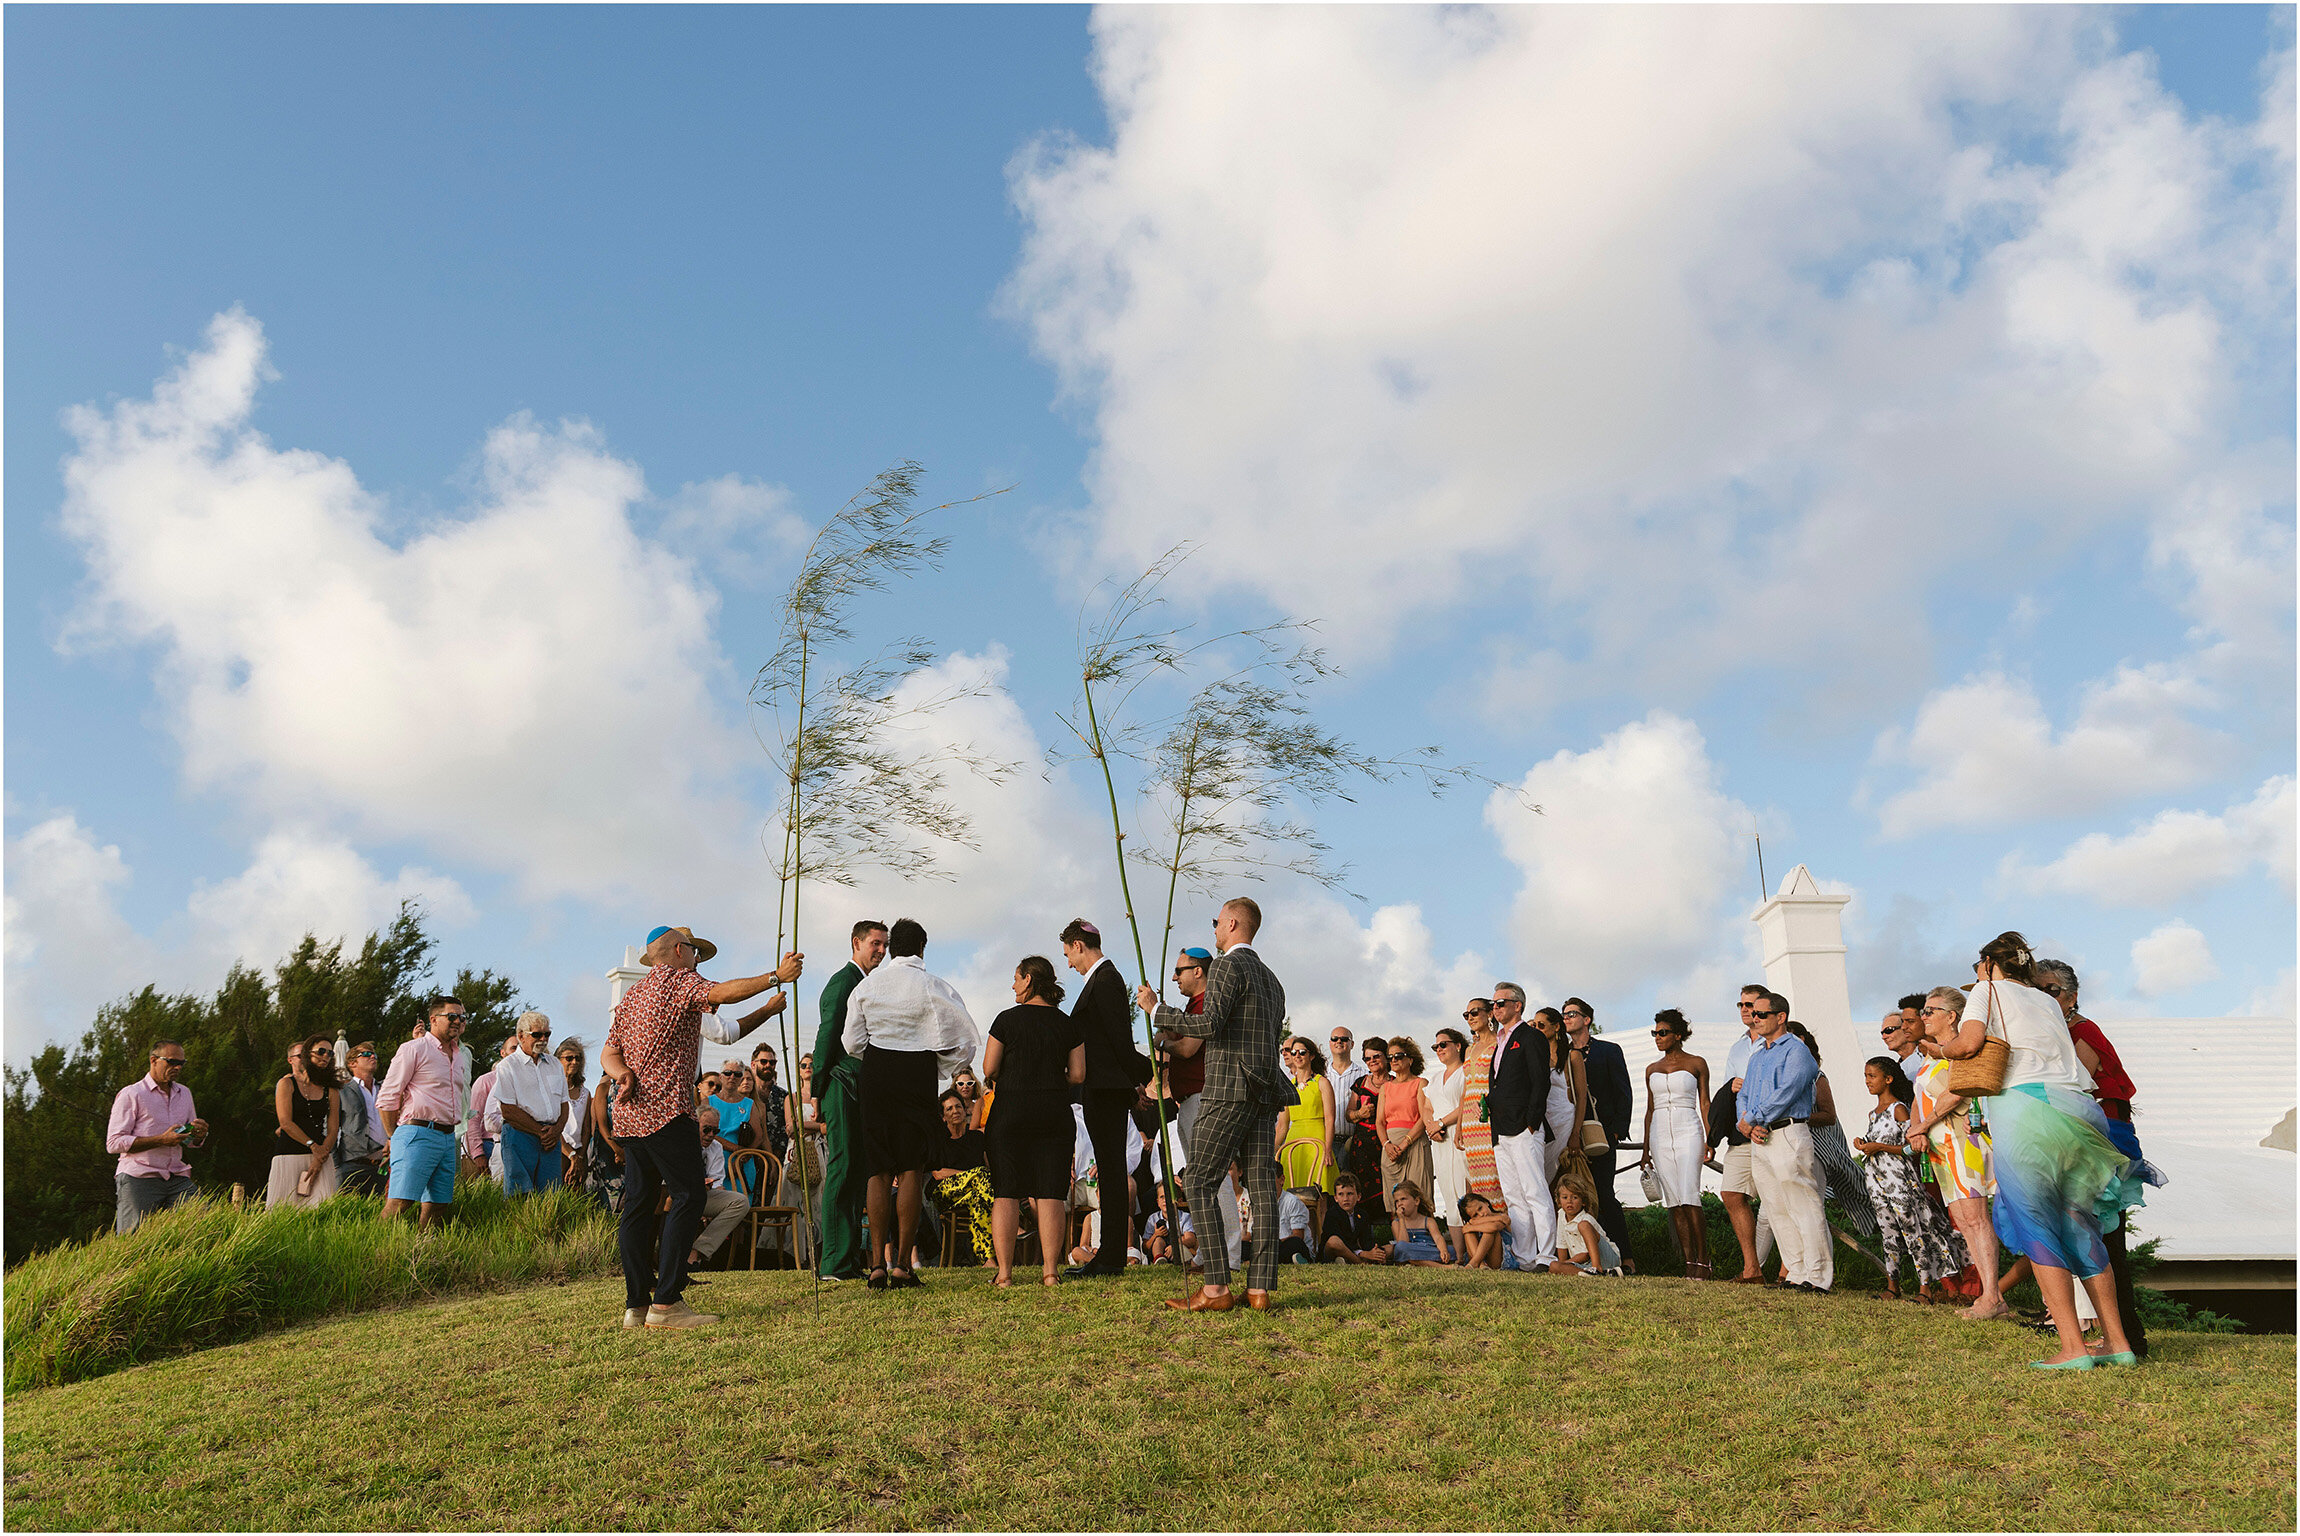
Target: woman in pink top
x,y
1402,1114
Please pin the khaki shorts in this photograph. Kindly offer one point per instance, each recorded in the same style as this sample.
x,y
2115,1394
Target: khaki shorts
x,y
1738,1179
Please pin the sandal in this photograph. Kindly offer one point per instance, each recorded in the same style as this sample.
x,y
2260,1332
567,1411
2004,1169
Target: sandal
x,y
1050,1281
904,1280
876,1280
1002,1282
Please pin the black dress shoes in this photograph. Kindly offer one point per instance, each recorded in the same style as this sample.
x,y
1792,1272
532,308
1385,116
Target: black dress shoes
x,y
1082,1272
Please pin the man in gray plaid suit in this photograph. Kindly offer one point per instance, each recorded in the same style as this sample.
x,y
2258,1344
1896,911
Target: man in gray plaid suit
x,y
1244,1018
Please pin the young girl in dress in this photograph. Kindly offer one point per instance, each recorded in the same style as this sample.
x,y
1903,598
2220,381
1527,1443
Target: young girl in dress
x,y
1909,1224
1414,1238
1581,1248
1484,1233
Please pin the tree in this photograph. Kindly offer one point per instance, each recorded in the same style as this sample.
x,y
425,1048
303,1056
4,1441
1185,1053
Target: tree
x,y
58,1175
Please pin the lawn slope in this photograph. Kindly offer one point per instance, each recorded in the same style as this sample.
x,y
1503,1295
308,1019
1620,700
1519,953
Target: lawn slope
x,y
1499,1402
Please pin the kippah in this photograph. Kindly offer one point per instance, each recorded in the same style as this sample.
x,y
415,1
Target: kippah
x,y
1195,953
1089,927
658,933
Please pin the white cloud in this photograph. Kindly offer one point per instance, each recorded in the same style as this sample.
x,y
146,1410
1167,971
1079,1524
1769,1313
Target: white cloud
x,y
2171,959
745,529
1629,869
301,883
1678,314
2274,1001
2174,855
70,949
526,687
1988,754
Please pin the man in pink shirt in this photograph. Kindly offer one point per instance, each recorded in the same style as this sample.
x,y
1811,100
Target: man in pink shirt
x,y
152,1123
420,1104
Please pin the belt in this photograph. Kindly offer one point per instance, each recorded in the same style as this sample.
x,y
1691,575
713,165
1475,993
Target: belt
x,y
1774,1125
431,1125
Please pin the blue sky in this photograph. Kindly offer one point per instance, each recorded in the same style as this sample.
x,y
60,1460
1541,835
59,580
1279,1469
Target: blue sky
x,y
1885,444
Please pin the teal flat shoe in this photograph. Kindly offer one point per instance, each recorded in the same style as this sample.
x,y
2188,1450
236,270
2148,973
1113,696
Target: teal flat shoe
x,y
2080,1363
2121,1357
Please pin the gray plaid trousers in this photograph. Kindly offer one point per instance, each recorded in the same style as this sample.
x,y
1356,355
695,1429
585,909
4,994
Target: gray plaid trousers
x,y
1224,1132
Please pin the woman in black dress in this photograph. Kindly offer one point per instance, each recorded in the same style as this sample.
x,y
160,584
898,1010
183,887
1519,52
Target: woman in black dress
x,y
1033,1057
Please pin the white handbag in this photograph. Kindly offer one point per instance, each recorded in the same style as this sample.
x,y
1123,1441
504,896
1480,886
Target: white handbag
x,y
1650,1182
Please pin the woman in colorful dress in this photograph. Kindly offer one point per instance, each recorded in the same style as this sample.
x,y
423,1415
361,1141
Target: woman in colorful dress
x,y
1404,1121
1911,1226
1959,1152
1475,1130
1306,1129
1449,1172
2061,1177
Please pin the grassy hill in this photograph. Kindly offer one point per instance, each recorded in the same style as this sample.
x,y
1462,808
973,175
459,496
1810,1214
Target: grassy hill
x,y
1372,1399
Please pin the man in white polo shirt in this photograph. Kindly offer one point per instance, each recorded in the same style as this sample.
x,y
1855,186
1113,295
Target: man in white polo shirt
x,y
531,1095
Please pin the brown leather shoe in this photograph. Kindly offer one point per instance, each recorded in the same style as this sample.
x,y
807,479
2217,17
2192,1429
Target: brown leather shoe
x,y
1221,1301
1258,1300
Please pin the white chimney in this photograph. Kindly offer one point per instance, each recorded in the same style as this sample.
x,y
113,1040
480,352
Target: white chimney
x,y
1804,935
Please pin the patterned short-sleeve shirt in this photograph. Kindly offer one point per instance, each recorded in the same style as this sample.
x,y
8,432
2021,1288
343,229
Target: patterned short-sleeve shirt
x,y
658,1028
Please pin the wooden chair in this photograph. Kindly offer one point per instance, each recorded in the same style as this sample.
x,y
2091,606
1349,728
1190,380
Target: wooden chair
x,y
762,1180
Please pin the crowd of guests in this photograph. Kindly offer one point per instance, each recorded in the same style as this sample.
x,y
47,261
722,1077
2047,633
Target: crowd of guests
x,y
1997,1120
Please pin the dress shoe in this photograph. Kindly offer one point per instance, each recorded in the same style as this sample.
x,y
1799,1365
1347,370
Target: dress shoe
x,y
1220,1301
678,1315
634,1317
1083,1272
1258,1300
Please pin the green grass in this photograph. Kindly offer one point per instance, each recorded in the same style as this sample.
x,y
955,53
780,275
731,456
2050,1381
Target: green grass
x,y
208,1273
1370,1400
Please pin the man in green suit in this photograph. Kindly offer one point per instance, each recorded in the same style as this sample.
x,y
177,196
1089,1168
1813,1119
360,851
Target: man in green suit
x,y
837,1084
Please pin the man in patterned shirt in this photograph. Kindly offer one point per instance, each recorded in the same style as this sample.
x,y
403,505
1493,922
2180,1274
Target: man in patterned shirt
x,y
652,1051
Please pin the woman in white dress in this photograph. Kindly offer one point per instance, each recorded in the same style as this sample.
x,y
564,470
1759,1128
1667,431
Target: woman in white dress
x,y
1449,1165
1557,1116
1677,1134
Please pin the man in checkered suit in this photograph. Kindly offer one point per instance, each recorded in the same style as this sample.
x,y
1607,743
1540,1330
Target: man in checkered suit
x,y
1244,1019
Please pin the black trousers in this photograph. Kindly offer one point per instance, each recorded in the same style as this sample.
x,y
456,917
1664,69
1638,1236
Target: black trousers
x,y
1609,1214
671,1158
1107,1126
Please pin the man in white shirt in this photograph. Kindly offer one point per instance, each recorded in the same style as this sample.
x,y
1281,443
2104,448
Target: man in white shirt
x,y
531,1096
1343,1072
572,1150
1293,1228
911,1030
723,1208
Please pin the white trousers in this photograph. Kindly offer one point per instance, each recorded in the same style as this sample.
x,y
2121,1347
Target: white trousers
x,y
1519,1163
1185,1117
1783,1168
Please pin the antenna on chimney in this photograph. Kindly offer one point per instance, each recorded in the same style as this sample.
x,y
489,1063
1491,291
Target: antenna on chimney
x,y
1762,887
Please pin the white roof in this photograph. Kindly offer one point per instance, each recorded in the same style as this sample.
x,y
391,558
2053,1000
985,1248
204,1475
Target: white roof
x,y
2206,1093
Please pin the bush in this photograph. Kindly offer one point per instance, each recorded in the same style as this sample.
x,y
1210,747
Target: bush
x,y
208,1273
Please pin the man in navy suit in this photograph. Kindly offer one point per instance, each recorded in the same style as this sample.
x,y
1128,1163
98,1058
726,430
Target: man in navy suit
x,y
1103,1016
1515,1103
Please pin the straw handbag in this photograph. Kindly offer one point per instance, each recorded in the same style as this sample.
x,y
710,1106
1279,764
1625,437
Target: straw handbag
x,y
1982,1074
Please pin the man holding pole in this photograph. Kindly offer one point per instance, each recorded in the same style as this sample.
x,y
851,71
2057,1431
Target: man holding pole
x,y
837,1084
652,1050
1244,1016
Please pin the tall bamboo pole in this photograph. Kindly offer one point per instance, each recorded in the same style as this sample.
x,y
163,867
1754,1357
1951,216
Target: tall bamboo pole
x,y
1150,1035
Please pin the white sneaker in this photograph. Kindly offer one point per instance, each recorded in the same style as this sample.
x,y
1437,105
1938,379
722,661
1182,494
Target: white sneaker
x,y
633,1317
678,1315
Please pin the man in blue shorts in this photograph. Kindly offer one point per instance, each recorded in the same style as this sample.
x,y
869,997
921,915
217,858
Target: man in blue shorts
x,y
421,1101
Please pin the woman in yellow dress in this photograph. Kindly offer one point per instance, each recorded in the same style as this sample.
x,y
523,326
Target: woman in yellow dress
x,y
1306,1129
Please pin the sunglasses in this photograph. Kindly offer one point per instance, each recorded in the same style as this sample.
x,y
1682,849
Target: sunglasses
x,y
1181,970
1665,1034
169,1061
454,1018
1473,1013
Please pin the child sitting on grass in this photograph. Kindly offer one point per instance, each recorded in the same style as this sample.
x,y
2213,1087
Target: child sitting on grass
x,y
1158,1245
1416,1239
1349,1237
1484,1233
1582,1249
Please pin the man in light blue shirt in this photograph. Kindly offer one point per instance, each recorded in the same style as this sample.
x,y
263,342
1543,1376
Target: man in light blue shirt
x,y
1774,1102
